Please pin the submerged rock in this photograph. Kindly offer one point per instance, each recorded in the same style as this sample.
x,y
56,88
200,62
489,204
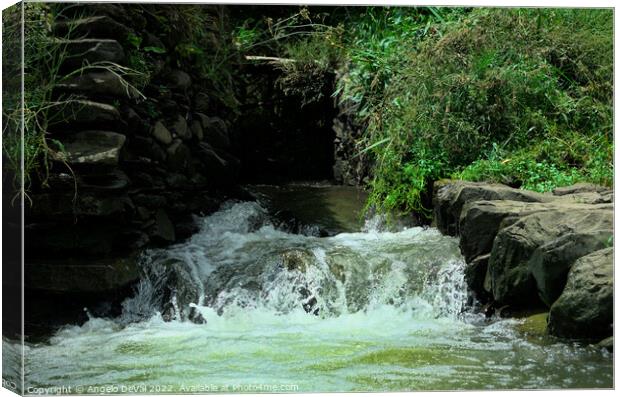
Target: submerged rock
x,y
585,308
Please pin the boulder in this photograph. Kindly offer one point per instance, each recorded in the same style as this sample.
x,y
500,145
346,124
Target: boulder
x,y
451,196
178,80
509,271
480,222
585,308
163,231
196,128
161,133
101,26
73,275
216,132
92,148
475,273
551,262
179,156
147,147
181,129
98,83
89,51
579,188
85,112
221,167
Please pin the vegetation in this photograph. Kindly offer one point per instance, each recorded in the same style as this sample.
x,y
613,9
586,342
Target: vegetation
x,y
517,96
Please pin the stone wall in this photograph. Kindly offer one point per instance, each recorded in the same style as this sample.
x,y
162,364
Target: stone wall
x,y
128,170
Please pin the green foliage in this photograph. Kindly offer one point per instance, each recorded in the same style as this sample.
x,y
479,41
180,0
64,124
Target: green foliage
x,y
520,96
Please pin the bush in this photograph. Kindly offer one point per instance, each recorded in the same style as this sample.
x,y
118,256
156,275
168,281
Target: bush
x,y
521,96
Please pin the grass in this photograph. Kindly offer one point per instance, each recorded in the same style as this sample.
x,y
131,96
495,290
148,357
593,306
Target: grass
x,y
519,96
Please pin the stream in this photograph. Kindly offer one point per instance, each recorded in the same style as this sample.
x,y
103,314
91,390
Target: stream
x,y
363,308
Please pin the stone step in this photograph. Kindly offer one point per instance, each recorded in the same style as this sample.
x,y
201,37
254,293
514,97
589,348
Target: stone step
x,y
92,147
91,51
101,27
84,112
103,83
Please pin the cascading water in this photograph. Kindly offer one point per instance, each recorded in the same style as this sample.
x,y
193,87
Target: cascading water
x,y
371,310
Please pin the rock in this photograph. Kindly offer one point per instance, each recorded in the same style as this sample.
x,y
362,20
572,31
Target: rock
x,y
177,289
450,197
151,201
551,262
534,325
164,229
480,222
92,50
296,259
61,206
202,103
101,26
98,83
92,147
179,156
177,181
113,181
216,132
147,147
86,112
579,188
196,128
161,133
181,129
178,80
510,276
475,273
222,168
607,344
585,308
135,122
77,275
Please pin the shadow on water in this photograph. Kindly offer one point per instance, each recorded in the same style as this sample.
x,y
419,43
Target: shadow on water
x,y
333,209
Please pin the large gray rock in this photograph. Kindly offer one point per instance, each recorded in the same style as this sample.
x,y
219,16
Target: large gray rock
x,y
510,276
551,262
98,83
92,147
585,308
579,188
451,196
481,221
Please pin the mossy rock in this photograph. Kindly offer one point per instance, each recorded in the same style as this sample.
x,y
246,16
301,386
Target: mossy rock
x,y
534,325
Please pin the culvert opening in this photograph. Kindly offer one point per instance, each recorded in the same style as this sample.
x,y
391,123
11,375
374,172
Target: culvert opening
x,y
285,132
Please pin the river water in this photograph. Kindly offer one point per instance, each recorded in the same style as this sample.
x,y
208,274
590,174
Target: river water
x,y
368,310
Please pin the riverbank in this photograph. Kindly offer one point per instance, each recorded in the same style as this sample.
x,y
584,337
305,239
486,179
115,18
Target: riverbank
x,y
530,251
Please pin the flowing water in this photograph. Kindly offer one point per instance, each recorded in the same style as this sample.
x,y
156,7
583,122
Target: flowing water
x,y
363,311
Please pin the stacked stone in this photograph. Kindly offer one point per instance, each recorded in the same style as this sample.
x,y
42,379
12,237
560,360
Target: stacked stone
x,y
130,168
